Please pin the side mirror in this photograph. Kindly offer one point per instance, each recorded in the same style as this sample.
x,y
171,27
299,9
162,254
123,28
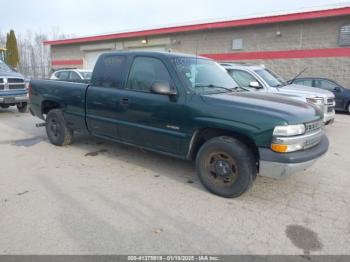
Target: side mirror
x,y
337,89
255,85
163,88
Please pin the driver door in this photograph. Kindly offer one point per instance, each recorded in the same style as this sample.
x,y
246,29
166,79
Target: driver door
x,y
152,120
245,80
331,86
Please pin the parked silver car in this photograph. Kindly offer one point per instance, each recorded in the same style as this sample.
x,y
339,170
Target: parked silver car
x,y
72,75
261,79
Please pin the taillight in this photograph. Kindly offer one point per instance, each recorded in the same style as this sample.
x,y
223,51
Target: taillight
x,y
29,88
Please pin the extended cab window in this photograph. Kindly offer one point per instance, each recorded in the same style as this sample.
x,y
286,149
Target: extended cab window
x,y
144,72
108,71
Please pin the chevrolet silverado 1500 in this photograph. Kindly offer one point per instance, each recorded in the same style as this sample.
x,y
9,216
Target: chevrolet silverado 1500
x,y
187,107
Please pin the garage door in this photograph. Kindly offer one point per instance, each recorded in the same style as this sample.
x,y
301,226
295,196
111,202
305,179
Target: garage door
x,y
91,57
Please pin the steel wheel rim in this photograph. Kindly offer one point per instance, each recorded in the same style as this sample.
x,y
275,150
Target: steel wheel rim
x,y
221,169
54,127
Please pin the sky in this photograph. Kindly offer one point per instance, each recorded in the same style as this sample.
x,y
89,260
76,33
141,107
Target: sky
x,y
92,17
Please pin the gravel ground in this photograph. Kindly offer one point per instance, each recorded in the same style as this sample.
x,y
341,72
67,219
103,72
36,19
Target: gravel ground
x,y
96,197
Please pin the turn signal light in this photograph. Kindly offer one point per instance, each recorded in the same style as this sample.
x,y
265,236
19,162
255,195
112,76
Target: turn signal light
x,y
279,148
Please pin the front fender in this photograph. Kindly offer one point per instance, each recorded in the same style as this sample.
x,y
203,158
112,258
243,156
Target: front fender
x,y
261,137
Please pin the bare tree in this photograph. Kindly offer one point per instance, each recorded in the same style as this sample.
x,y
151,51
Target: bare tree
x,y
35,58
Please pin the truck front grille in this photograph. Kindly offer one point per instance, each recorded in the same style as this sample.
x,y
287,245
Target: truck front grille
x,y
2,85
12,83
313,126
16,86
16,83
330,101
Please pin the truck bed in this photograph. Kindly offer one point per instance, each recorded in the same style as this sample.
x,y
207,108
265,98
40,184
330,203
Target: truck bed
x,y
71,98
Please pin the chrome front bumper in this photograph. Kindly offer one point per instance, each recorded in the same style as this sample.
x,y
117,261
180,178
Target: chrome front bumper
x,y
329,117
17,99
282,170
279,166
329,111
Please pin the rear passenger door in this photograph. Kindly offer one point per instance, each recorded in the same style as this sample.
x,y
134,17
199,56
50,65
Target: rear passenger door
x,y
63,76
74,77
152,120
304,82
103,108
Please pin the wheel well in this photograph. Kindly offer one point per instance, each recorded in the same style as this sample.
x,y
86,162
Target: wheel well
x,y
347,105
48,105
206,134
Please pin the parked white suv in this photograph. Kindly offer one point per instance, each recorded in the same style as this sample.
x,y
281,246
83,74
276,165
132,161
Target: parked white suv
x,y
260,79
72,75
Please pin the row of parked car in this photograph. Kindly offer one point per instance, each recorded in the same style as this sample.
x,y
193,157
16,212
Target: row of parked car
x,y
235,121
260,79
251,77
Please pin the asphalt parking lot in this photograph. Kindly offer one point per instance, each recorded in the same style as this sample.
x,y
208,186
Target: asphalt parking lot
x,y
95,197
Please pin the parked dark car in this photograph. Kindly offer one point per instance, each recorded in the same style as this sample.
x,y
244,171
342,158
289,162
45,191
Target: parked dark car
x,y
342,94
186,107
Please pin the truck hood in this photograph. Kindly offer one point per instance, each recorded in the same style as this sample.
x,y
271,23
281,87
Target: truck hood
x,y
259,106
10,74
305,91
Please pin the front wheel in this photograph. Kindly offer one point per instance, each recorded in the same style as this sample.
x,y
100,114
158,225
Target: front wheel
x,y
57,130
4,106
226,167
22,107
348,108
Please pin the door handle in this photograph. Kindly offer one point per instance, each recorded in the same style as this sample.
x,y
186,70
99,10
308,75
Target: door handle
x,y
124,101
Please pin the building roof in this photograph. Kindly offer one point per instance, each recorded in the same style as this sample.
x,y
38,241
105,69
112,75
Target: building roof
x,y
306,14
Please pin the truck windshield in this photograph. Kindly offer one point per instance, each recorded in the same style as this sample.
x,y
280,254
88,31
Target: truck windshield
x,y
204,76
4,68
271,78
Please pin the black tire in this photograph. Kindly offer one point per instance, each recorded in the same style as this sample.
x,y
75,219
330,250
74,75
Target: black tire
x,y
226,167
4,106
22,108
56,128
348,108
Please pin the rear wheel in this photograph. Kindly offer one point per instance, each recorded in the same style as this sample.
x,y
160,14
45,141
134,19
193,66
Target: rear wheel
x,y
56,128
22,107
226,167
4,106
348,108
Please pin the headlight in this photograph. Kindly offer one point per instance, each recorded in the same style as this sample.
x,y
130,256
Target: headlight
x,y
286,138
292,130
316,101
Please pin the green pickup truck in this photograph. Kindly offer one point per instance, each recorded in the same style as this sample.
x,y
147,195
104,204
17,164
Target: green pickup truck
x,y
186,107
